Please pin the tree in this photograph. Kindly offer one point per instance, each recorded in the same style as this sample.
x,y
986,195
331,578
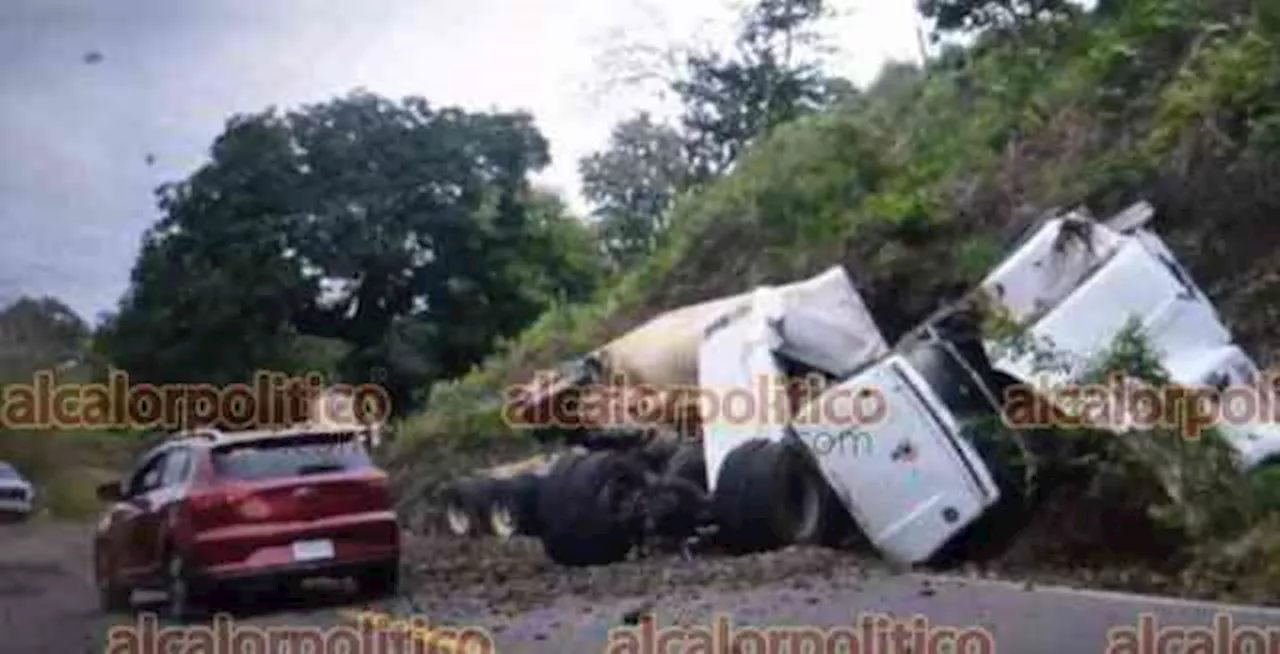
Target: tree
x,y
632,184
771,77
976,15
40,333
406,232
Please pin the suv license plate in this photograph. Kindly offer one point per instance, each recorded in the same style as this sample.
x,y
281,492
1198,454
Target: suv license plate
x,y
312,550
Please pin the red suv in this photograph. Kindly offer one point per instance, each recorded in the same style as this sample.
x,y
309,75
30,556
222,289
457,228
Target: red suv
x,y
207,511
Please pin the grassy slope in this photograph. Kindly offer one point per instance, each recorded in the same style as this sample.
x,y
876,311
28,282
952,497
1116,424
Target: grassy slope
x,y
67,466
915,186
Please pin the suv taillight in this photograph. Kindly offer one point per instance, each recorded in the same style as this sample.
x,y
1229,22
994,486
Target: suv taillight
x,y
216,498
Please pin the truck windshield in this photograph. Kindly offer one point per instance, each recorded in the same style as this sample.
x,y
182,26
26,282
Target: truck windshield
x,y
962,392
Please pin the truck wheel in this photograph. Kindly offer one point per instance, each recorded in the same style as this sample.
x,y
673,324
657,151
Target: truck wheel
x,y
768,495
523,492
466,507
500,515
585,508
837,528
513,507
690,464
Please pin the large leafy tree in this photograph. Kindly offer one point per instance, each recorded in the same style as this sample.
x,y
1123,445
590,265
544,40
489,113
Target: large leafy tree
x,y
39,333
632,183
771,76
404,234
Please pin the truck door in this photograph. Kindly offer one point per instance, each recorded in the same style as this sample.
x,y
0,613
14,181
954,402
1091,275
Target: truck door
x,y
909,482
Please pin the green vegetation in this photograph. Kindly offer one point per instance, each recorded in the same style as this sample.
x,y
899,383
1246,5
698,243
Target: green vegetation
x,y
385,241
67,466
446,270
44,335
915,184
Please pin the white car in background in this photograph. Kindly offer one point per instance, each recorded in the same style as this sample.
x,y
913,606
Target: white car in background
x,y
17,495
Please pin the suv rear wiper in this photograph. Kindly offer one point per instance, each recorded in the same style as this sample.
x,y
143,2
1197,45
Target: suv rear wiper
x,y
320,468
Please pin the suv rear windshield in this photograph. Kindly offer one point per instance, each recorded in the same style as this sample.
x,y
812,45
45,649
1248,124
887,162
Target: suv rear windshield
x,y
292,456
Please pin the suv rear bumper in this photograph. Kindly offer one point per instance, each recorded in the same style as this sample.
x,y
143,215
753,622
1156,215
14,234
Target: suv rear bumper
x,y
228,576
247,549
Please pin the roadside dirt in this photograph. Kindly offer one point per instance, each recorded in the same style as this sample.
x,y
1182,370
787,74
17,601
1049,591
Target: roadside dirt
x,y
48,604
47,601
516,576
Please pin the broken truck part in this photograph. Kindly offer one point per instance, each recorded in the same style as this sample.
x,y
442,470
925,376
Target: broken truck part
x,y
1073,284
770,481
944,471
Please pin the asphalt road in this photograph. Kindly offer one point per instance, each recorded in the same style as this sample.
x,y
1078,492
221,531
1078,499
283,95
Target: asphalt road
x,y
47,605
1016,618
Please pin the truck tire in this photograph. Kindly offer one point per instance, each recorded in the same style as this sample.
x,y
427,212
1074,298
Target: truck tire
x,y
466,503
583,508
513,509
837,528
689,463
500,513
768,495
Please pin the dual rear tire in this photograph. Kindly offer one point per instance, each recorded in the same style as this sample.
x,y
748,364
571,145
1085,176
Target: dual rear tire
x,y
492,507
769,495
586,508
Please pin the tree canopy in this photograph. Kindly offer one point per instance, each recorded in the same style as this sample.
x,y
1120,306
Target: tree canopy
x,y
771,75
632,183
975,15
382,240
39,333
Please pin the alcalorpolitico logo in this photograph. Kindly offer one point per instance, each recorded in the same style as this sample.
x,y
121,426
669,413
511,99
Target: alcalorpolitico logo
x,y
766,400
273,399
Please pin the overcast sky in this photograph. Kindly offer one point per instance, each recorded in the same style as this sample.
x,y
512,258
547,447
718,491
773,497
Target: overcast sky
x,y
76,191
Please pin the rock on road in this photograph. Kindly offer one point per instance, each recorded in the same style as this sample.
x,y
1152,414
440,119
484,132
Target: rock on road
x,y
48,604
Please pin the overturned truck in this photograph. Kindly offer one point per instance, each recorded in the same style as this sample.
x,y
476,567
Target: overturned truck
x,y
782,416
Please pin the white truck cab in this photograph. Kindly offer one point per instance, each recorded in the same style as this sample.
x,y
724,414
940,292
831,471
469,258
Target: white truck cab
x,y
920,481
1075,283
899,463
924,468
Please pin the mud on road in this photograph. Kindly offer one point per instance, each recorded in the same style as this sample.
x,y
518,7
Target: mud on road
x,y
48,602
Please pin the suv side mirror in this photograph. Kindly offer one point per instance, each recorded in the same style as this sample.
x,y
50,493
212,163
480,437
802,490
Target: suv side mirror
x,y
110,492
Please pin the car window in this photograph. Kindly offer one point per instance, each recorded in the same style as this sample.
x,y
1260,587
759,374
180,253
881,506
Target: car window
x,y
177,465
147,478
290,456
7,472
